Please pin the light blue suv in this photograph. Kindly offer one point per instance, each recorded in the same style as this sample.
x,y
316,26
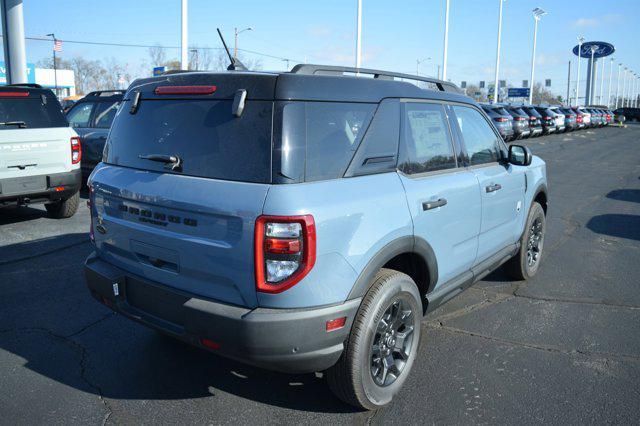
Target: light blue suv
x,y
306,221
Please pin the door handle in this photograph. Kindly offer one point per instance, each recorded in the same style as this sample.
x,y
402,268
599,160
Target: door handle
x,y
493,188
429,205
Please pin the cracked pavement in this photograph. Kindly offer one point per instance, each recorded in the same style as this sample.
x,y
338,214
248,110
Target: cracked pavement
x,y
563,347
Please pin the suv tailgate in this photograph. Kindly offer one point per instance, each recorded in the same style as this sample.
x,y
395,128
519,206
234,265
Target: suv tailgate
x,y
190,233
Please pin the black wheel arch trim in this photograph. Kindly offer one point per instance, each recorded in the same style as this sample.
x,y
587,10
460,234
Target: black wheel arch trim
x,y
406,244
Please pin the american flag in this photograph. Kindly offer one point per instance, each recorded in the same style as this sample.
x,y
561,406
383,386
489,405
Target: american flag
x,y
57,45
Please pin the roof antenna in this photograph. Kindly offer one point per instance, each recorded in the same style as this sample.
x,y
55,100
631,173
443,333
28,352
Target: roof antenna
x,y
235,64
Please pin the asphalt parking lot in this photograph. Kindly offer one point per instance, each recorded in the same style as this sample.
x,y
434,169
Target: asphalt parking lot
x,y
563,347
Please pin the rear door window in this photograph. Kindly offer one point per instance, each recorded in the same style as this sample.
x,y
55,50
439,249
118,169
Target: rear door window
x,y
426,140
479,138
204,134
32,112
80,114
105,113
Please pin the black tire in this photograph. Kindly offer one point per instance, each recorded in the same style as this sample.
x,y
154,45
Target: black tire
x,y
352,378
526,262
63,209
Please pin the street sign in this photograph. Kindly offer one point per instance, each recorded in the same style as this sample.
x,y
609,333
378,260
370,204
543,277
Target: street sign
x,y
481,86
463,84
518,92
547,82
159,70
525,83
602,49
503,83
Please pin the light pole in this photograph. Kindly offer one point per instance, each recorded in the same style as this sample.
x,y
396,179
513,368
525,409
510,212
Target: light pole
x,y
537,14
359,36
624,86
287,61
418,62
610,75
580,41
55,68
446,41
495,86
601,84
592,80
618,86
184,50
235,40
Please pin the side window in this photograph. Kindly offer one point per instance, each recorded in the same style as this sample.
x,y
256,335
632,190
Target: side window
x,y
378,151
426,142
105,113
80,115
479,138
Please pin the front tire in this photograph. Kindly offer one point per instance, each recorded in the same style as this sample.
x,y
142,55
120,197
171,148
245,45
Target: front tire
x,y
526,262
383,343
63,209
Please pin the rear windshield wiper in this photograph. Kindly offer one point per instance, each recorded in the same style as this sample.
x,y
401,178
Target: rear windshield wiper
x,y
20,124
172,161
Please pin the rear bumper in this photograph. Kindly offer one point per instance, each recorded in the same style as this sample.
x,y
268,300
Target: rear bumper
x,y
59,186
286,340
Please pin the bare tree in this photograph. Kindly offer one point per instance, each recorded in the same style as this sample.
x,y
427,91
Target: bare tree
x,y
543,96
157,55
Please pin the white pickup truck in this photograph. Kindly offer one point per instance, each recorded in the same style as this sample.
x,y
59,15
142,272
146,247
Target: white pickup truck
x,y
39,152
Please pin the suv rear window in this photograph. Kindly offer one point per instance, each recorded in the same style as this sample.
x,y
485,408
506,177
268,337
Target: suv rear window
x,y
32,112
204,134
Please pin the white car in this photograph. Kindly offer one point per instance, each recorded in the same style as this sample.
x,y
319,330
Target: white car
x,y
39,152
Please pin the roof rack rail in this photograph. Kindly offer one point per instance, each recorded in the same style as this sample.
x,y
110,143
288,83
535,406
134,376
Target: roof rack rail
x,y
312,69
33,85
99,93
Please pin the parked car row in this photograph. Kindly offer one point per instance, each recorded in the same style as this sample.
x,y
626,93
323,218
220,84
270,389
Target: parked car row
x,y
523,121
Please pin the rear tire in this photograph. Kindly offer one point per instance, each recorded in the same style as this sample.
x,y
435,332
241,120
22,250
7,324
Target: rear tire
x,y
63,209
383,343
526,262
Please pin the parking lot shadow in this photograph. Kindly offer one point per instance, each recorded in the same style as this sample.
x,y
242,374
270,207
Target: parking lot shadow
x,y
52,325
632,195
20,214
616,225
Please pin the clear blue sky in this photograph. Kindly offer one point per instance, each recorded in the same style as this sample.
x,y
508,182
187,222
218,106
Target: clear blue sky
x,y
395,33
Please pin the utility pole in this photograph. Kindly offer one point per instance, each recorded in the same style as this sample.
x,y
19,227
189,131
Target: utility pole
x,y
580,41
624,86
568,85
495,86
15,57
537,13
55,66
359,35
610,75
446,40
184,50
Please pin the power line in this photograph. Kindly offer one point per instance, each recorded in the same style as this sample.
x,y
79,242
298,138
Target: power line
x,y
146,46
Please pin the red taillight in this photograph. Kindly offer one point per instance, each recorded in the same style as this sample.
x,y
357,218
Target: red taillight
x,y
185,90
519,118
579,119
547,118
76,150
533,118
284,251
335,324
501,119
208,343
14,94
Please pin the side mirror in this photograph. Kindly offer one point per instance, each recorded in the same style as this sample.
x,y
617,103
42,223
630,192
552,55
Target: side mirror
x,y
520,155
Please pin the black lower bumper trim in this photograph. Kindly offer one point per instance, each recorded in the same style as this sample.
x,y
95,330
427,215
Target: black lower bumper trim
x,y
286,340
59,186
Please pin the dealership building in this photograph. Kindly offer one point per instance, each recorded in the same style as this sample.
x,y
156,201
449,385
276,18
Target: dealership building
x,y
47,78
